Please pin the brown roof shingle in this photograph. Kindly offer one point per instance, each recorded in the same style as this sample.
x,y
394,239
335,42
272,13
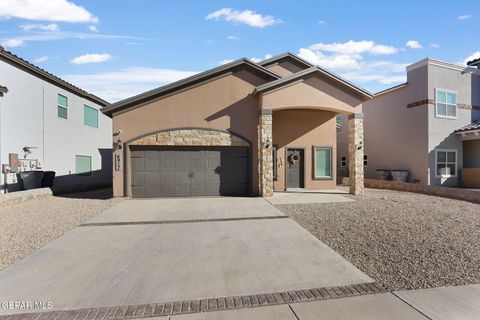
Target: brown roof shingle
x,y
470,127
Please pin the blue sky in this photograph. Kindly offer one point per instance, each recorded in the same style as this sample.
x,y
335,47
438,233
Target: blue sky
x,y
116,49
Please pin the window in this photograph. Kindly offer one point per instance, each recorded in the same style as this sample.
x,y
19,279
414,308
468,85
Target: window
x,y
62,107
322,162
446,104
339,120
83,165
90,116
365,160
343,161
446,161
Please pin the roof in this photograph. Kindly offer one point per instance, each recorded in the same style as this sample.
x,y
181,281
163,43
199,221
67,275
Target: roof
x,y
284,55
45,75
475,62
442,64
185,83
280,82
474,126
388,90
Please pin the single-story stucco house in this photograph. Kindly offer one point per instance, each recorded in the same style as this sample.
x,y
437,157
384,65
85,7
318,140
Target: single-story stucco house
x,y
243,128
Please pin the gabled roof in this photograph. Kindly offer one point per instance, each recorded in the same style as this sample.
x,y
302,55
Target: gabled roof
x,y
185,83
474,126
286,80
388,90
285,55
33,69
475,62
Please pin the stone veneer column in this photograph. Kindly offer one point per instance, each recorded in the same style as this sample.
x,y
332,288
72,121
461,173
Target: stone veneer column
x,y
265,168
355,153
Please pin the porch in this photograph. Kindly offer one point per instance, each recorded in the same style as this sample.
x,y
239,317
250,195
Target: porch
x,y
298,132
470,172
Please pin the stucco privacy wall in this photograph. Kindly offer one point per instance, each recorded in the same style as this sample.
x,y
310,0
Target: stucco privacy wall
x,y
225,103
299,128
396,137
441,131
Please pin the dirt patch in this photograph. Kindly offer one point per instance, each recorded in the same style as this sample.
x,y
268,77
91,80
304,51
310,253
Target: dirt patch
x,y
402,240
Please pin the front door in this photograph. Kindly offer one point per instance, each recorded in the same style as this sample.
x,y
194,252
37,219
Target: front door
x,y
295,168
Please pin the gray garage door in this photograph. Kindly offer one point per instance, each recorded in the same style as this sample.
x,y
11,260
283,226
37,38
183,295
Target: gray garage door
x,y
189,171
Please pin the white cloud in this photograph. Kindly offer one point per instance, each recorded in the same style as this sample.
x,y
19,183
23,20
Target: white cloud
x,y
434,45
47,10
91,58
117,85
44,27
232,37
247,17
321,22
334,62
471,57
256,60
464,17
355,47
93,28
12,43
413,44
356,61
225,61
40,59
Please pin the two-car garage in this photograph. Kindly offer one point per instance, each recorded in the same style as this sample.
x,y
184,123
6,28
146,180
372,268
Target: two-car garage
x,y
181,171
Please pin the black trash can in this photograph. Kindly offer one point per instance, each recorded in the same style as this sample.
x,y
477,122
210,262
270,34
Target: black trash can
x,y
48,178
31,179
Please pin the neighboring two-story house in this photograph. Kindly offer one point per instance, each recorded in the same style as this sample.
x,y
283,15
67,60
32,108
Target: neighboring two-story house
x,y
426,126
48,124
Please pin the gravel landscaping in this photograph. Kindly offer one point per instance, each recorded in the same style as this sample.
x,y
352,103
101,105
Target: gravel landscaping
x,y
402,240
27,226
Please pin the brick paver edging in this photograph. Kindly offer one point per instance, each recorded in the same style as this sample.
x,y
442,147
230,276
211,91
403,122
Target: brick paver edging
x,y
127,223
204,305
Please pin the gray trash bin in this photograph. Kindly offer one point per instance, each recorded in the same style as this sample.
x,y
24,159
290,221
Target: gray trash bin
x,y
400,175
382,174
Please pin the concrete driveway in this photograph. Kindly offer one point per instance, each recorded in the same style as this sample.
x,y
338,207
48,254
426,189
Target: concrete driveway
x,y
164,250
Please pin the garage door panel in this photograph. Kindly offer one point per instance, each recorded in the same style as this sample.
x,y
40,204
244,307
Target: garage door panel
x,y
189,171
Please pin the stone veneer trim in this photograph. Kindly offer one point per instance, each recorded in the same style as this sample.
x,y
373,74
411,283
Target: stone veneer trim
x,y
432,102
191,137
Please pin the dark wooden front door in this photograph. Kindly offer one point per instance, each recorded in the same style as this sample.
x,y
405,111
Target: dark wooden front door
x,y
295,168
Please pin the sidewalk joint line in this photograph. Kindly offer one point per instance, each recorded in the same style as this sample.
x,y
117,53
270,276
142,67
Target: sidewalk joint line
x,y
411,306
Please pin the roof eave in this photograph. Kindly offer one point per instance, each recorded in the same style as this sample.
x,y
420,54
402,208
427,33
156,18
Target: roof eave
x,y
19,62
272,60
172,87
280,82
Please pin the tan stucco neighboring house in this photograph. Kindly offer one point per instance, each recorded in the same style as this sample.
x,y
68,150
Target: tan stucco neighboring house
x,y
427,126
242,128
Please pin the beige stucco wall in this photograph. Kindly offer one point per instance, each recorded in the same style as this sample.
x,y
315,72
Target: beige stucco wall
x,y
226,103
312,92
304,129
396,137
285,68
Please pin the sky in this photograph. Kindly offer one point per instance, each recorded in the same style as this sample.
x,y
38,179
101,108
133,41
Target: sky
x,y
119,48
